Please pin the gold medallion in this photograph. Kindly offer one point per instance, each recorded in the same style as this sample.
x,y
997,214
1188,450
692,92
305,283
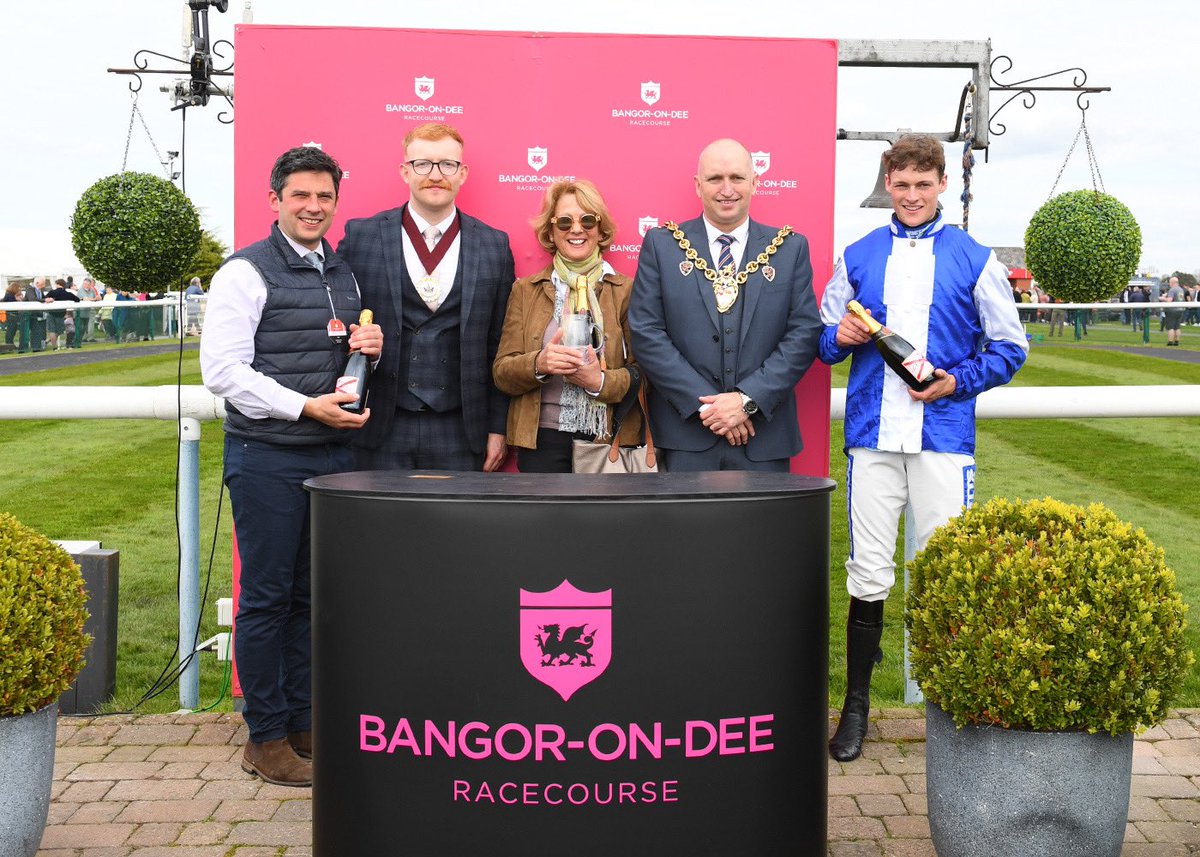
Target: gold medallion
x,y
725,288
726,285
428,287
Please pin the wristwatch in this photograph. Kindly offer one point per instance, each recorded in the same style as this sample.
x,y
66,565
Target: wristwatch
x,y
749,406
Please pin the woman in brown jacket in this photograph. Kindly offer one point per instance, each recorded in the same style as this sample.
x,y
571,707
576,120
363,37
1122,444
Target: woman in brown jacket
x,y
561,393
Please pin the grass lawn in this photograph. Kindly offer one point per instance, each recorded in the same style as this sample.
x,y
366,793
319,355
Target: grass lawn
x,y
113,480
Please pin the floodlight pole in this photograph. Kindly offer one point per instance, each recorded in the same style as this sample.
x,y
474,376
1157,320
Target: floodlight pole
x,y
199,51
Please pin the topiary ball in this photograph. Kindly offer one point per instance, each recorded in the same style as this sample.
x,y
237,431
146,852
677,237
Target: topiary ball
x,y
135,232
1045,616
1083,246
42,612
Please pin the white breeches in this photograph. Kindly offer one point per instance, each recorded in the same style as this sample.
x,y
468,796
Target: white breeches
x,y
879,485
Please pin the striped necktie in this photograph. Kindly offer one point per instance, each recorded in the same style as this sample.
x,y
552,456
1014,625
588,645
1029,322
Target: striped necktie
x,y
432,235
725,260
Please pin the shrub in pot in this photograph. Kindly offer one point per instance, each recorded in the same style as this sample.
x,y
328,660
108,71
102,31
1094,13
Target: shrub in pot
x,y
42,645
1050,628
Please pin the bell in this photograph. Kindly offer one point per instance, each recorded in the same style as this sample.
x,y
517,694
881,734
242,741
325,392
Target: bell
x,y
879,198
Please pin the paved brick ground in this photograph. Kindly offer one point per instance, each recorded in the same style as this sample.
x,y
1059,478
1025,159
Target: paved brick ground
x,y
171,786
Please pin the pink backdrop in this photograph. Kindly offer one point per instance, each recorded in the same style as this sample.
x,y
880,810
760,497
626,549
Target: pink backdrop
x,y
630,113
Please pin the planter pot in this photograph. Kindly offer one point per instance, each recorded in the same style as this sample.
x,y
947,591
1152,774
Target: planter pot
x,y
1006,793
27,748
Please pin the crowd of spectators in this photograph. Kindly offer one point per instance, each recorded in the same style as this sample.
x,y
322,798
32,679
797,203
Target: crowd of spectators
x,y
97,314
1035,306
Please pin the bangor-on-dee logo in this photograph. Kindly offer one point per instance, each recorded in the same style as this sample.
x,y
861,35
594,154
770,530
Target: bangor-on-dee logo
x,y
423,87
537,158
313,144
566,636
651,92
645,224
760,162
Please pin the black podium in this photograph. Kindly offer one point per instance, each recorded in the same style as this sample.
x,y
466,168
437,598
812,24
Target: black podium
x,y
516,664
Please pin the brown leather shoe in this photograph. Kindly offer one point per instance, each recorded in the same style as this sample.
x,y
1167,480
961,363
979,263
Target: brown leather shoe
x,y
276,762
302,743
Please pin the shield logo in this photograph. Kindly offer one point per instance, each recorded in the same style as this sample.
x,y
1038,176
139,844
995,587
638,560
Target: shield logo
x,y
768,273
685,267
537,158
760,161
423,87
651,92
645,224
566,636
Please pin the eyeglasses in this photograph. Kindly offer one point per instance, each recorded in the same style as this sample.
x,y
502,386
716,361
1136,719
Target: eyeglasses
x,y
586,222
423,167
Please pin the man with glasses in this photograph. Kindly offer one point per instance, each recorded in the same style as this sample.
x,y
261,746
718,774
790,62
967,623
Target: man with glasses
x,y
438,281
724,324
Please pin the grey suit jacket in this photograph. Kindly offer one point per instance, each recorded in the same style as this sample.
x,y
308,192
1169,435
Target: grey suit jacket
x,y
374,249
676,339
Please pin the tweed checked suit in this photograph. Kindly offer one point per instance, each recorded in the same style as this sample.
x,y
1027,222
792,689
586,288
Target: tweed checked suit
x,y
678,339
375,251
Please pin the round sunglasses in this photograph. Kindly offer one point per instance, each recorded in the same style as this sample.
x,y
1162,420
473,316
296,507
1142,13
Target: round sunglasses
x,y
586,222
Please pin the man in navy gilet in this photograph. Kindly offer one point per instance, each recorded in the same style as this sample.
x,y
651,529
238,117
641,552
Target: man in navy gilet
x,y
281,316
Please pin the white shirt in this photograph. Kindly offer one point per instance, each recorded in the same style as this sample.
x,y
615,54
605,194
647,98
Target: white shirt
x,y
235,303
737,249
447,269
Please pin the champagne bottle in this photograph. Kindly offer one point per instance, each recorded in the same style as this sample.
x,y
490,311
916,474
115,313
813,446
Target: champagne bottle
x,y
897,352
357,375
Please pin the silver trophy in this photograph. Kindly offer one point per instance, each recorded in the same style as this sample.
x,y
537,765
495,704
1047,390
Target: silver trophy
x,y
579,331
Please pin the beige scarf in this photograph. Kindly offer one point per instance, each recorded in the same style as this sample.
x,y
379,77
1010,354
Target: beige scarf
x,y
579,412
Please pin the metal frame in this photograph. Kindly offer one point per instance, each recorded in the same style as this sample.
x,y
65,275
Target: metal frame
x,y
985,79
196,90
922,53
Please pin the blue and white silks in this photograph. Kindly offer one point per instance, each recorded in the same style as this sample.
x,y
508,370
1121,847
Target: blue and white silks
x,y
950,297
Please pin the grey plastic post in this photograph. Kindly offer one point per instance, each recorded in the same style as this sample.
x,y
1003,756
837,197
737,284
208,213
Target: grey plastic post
x,y
912,692
97,682
189,558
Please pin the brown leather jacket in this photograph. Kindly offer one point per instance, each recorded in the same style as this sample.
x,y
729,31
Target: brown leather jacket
x,y
530,308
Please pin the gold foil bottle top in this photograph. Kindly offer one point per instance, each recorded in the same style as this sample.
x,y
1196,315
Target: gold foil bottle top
x,y
857,308
581,298
365,317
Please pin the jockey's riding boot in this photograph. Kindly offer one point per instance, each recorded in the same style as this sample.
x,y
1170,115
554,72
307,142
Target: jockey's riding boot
x,y
864,627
